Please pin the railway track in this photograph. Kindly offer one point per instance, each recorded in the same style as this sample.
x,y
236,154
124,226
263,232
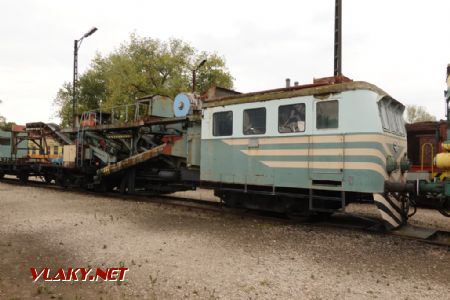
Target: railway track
x,y
338,220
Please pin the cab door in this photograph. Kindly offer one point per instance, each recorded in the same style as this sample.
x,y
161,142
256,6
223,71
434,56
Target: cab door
x,y
326,145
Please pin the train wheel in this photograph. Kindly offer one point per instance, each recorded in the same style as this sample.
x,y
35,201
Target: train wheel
x,y
23,177
320,216
104,187
48,179
230,199
61,182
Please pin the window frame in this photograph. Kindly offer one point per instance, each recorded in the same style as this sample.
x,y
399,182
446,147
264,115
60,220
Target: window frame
x,y
383,115
316,113
392,116
292,104
214,120
265,120
5,141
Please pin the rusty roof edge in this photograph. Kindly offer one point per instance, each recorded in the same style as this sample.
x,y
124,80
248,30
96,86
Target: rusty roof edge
x,y
308,90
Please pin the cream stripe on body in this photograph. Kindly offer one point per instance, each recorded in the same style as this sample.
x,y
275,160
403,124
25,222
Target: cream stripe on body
x,y
317,139
324,139
327,165
317,152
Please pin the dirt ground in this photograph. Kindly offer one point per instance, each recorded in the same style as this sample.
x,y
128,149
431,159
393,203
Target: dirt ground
x,y
175,253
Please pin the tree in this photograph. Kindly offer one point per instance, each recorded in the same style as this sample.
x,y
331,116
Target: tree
x,y
4,125
416,114
2,119
141,67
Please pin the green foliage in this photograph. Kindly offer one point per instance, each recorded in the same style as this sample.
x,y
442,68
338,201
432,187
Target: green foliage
x,y
140,67
4,125
7,126
63,101
416,114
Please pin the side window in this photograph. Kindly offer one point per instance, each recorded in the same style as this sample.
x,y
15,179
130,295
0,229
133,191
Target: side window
x,y
327,114
401,121
392,121
55,150
383,114
254,121
291,118
391,114
5,141
223,123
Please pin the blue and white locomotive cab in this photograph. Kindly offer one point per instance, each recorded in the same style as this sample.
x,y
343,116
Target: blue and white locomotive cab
x,y
319,146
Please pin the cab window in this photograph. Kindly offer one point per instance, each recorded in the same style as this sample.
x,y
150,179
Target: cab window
x,y
327,114
384,115
391,114
254,121
291,118
223,123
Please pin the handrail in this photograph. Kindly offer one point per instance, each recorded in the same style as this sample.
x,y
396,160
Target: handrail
x,y
126,112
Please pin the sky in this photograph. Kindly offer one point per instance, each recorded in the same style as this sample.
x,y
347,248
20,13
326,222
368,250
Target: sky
x,y
400,46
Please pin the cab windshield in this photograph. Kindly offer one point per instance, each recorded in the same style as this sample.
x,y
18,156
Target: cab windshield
x,y
391,114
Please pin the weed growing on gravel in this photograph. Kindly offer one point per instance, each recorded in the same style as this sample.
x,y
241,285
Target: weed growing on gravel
x,y
264,282
212,294
153,280
43,290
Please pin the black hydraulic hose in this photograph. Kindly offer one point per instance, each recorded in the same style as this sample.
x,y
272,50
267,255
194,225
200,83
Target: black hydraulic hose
x,y
414,205
414,211
445,208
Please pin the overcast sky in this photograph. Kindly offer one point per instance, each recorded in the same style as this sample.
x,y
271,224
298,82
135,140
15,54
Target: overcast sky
x,y
401,46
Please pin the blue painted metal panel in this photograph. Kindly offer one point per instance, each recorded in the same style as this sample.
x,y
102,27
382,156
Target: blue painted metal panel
x,y
5,146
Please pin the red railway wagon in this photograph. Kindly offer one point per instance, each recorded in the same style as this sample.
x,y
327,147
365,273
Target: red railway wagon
x,y
424,142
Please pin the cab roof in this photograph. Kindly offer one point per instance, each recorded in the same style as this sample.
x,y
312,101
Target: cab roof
x,y
317,88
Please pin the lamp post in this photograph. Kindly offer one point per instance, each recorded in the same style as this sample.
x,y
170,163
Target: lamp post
x,y
338,38
76,46
194,73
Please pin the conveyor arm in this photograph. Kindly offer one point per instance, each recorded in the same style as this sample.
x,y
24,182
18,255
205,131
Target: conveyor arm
x,y
131,161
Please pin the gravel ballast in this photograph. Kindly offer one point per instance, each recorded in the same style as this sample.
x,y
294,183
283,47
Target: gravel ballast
x,y
175,252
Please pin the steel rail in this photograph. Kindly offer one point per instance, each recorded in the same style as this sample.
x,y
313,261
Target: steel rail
x,y
345,221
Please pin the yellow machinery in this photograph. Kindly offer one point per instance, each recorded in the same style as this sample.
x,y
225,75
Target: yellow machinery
x,y
439,187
